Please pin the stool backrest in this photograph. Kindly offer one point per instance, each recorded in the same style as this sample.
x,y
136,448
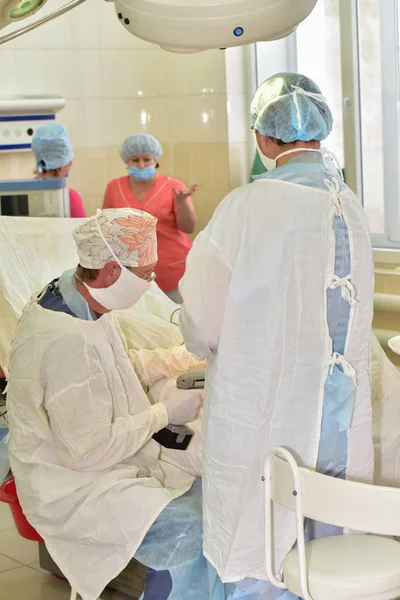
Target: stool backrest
x,y
347,504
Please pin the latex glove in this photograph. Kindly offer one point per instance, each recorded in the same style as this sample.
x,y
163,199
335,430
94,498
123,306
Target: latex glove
x,y
182,405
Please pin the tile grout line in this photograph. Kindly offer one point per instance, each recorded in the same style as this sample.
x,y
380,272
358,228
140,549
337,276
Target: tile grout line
x,y
19,563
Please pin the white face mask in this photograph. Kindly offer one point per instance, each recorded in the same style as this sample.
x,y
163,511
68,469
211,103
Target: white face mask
x,y
270,163
123,293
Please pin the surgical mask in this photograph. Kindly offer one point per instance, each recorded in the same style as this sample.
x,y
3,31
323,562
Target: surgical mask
x,y
123,293
142,174
269,163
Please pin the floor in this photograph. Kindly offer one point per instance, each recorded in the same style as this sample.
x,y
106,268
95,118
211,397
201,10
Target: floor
x,y
21,578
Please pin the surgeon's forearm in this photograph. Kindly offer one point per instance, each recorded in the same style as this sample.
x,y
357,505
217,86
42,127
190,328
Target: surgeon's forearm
x,y
153,365
186,216
125,438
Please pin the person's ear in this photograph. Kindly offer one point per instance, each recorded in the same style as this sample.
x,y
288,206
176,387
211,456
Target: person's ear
x,y
264,141
62,171
111,272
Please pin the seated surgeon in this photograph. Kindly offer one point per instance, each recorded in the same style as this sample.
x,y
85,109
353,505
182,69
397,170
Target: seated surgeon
x,y
89,476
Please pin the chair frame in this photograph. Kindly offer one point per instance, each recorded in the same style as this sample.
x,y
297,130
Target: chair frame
x,y
353,505
285,455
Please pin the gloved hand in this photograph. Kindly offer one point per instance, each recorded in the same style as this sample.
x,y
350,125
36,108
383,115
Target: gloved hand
x,y
182,405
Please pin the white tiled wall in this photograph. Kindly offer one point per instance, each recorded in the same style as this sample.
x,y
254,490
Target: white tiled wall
x,y
114,85
239,93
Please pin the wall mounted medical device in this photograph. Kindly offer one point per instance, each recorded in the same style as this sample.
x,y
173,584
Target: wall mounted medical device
x,y
185,25
20,116
34,198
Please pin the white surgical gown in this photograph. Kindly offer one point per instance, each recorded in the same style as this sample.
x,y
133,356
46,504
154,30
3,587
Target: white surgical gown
x,y
256,304
90,478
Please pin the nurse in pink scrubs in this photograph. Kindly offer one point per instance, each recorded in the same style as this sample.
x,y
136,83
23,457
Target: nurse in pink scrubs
x,y
53,153
167,199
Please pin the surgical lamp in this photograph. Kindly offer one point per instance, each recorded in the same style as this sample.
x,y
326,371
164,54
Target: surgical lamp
x,y
183,26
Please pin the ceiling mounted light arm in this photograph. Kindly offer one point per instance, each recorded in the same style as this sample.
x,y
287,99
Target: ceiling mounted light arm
x,y
61,11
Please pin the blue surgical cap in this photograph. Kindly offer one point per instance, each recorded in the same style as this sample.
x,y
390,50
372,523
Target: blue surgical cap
x,y
140,143
290,107
52,147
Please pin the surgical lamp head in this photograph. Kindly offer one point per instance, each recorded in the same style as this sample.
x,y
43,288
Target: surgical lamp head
x,y
185,25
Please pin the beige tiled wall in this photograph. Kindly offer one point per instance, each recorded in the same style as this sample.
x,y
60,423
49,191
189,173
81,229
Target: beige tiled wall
x,y
114,85
203,163
387,322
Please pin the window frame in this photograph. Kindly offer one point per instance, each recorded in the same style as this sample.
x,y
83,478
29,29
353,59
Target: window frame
x,y
390,64
349,11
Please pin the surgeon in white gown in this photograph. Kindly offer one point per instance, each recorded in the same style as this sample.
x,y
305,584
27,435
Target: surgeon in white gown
x,y
278,296
89,476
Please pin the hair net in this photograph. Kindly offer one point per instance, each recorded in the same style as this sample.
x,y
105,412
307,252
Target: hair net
x,y
52,147
140,143
123,233
290,107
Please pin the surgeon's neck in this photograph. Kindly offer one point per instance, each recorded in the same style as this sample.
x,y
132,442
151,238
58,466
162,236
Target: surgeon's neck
x,y
301,150
93,304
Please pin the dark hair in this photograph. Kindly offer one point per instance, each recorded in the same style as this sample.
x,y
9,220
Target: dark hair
x,y
88,274
279,142
53,172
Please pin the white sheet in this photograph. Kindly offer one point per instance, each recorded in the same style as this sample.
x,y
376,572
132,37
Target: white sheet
x,y
35,251
386,417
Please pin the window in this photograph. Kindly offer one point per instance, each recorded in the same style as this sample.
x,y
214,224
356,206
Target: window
x,y
370,60
351,49
319,57
390,89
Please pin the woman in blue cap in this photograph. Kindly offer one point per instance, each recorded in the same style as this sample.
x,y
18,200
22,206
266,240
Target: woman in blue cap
x,y
54,155
167,199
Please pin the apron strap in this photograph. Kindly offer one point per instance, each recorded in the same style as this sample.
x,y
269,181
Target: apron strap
x,y
333,186
348,369
348,289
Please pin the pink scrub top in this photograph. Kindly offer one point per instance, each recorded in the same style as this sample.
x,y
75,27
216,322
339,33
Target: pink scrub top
x,y
76,205
173,244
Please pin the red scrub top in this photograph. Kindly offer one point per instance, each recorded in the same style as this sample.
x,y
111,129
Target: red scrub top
x,y
173,244
76,205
